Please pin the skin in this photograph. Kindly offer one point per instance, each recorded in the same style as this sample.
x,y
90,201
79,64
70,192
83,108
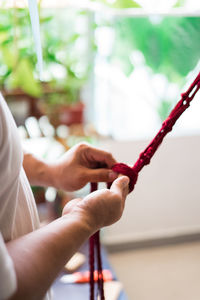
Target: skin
x,y
40,255
78,166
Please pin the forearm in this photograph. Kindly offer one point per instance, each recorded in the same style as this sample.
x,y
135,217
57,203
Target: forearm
x,y
39,256
39,173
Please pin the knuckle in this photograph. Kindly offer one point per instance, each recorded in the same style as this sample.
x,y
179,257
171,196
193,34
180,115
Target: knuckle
x,y
110,159
109,155
82,145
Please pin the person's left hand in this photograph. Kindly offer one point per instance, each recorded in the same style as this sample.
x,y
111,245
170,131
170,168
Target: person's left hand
x,y
82,164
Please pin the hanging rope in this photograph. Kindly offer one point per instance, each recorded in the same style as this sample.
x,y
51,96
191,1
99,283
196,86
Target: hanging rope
x,y
147,154
132,173
95,256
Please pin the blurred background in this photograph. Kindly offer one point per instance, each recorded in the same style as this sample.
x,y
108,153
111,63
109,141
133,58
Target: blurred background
x,y
113,70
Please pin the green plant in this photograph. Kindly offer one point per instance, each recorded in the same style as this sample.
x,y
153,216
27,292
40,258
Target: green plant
x,y
66,67
60,51
119,3
17,59
170,46
130,3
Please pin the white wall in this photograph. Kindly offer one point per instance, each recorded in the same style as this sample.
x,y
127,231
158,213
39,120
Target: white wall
x,y
166,199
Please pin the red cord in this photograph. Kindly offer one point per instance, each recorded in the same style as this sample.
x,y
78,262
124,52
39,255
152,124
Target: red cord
x,y
132,173
95,255
147,154
91,263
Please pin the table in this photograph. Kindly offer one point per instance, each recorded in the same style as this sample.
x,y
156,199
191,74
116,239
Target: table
x,y
75,291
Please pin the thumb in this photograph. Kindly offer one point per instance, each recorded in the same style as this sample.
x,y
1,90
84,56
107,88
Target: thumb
x,y
101,175
121,186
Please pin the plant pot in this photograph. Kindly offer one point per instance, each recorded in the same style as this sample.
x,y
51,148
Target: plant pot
x,y
71,114
65,114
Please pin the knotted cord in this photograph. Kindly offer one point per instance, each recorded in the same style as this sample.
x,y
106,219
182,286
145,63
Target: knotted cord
x,y
95,255
132,173
167,125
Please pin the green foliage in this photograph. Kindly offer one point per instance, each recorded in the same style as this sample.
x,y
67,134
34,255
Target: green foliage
x,y
170,47
125,4
22,77
59,38
164,109
130,3
16,49
179,3
120,3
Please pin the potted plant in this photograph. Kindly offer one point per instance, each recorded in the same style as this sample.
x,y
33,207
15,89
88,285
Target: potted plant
x,y
58,95
66,59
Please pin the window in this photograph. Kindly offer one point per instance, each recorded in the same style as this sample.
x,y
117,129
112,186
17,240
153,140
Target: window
x,y
143,63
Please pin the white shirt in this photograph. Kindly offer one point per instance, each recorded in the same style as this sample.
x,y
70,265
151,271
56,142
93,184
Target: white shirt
x,y
18,213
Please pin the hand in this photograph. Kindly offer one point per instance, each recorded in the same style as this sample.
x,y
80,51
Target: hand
x,y
101,208
83,164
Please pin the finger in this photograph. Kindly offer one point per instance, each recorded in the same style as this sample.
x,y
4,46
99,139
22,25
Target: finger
x,y
121,186
101,175
101,156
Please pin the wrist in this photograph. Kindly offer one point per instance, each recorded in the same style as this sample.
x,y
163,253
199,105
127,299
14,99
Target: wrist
x,y
49,175
53,176
45,175
83,219
38,171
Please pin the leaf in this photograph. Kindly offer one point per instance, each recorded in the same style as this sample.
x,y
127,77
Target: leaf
x,y
120,3
8,57
5,28
7,41
23,78
164,109
46,19
179,3
3,36
125,4
170,47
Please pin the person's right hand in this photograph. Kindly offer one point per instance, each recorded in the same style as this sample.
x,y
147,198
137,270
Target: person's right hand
x,y
103,207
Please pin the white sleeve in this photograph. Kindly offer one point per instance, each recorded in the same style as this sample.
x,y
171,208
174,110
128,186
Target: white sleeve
x,y
8,281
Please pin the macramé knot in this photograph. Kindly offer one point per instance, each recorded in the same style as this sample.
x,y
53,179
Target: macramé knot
x,y
168,124
184,96
127,171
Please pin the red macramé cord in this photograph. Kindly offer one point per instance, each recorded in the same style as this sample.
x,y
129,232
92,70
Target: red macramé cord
x,y
132,173
91,263
147,154
95,255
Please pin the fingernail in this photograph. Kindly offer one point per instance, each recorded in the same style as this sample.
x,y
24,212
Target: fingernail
x,y
112,175
125,181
